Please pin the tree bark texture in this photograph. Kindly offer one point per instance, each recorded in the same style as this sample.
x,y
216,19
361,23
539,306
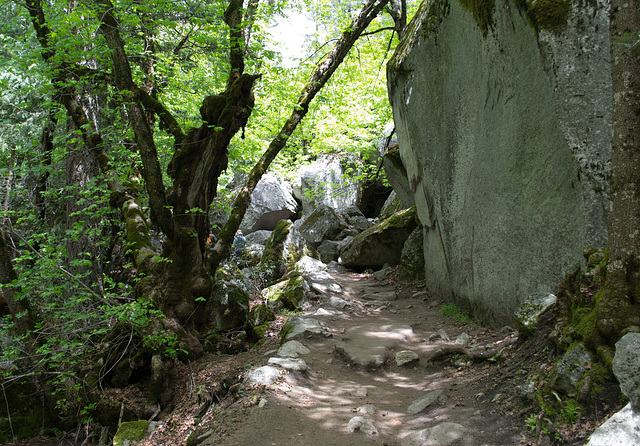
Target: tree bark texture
x,y
624,219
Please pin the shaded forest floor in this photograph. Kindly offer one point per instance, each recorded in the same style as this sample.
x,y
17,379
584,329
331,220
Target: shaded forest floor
x,y
480,383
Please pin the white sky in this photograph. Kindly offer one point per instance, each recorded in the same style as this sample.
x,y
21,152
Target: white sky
x,y
289,36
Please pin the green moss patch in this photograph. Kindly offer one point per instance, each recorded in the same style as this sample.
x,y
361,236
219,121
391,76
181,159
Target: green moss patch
x,y
482,11
550,15
132,431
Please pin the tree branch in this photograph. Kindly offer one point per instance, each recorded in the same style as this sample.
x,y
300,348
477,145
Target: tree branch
x,y
152,173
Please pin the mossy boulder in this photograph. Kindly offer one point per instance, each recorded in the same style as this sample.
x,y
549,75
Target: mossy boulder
x,y
530,310
568,373
287,294
412,258
132,431
229,306
277,251
323,224
381,243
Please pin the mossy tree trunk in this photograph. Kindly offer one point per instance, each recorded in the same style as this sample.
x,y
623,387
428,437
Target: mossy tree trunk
x,y
322,73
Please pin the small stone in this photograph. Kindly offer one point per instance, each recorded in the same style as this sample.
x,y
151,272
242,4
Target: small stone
x,y
531,309
363,425
336,302
291,349
406,357
262,403
368,409
441,435
295,364
264,376
360,393
323,312
424,401
439,335
462,339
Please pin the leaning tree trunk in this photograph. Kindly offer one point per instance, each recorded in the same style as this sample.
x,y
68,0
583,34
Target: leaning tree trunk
x,y
323,72
619,306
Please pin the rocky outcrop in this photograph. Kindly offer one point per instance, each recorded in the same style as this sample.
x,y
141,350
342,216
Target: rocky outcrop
x,y
504,128
328,181
380,244
271,201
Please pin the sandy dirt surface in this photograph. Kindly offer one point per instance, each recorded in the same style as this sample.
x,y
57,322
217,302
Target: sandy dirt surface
x,y
315,407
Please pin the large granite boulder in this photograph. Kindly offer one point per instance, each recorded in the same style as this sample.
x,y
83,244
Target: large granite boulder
x,y
397,175
504,129
412,258
271,201
323,224
626,367
380,244
329,181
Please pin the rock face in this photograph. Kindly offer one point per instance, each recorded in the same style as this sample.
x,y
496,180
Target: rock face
x,y
382,243
327,181
271,201
626,367
505,135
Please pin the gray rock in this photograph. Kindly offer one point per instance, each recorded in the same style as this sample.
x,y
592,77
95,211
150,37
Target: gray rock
x,y
391,206
334,267
258,237
439,336
381,243
626,367
360,392
263,376
295,364
441,435
462,339
299,326
327,181
362,424
231,300
323,224
424,401
336,302
291,349
368,409
530,310
322,282
288,293
412,266
568,372
406,358
397,175
271,201
503,223
622,429
368,346
383,273
328,251
308,264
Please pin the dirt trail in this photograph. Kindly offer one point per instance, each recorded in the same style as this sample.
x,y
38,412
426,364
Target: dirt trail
x,y
316,406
